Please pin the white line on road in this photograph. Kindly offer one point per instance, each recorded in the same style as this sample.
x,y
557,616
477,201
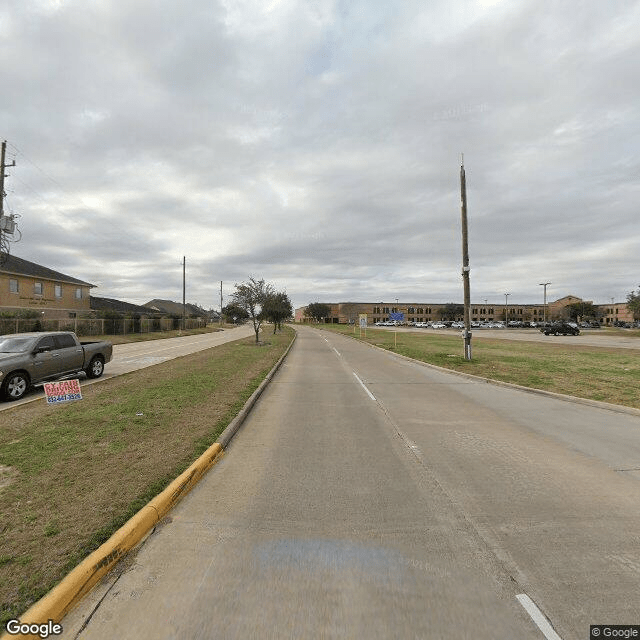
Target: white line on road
x,y
337,352
364,387
538,617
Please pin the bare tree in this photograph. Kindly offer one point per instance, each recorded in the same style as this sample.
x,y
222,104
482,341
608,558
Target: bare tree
x,y
251,296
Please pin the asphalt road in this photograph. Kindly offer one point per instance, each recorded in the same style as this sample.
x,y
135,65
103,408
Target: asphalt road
x,y
138,355
371,497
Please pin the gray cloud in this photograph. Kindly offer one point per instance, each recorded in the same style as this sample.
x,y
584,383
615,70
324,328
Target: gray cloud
x,y
318,145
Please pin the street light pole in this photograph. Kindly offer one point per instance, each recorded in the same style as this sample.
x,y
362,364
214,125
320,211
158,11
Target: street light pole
x,y
506,308
544,284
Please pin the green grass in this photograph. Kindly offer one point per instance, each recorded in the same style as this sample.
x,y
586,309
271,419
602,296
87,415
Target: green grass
x,y
75,473
597,373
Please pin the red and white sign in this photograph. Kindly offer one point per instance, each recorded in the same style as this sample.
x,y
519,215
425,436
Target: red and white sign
x,y
63,391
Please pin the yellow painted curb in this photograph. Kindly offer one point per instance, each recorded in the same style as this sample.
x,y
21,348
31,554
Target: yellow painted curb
x,y
80,580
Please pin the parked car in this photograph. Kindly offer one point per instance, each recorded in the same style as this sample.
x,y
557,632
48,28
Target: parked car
x,y
561,329
30,358
438,325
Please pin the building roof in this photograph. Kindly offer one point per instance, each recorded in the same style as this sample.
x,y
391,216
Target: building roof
x,y
175,308
110,304
17,266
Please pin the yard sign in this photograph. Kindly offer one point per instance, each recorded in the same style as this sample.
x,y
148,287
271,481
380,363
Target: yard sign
x,y
63,391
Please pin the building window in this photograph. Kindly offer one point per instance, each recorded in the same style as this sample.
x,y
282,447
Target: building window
x,y
58,290
78,293
13,286
38,288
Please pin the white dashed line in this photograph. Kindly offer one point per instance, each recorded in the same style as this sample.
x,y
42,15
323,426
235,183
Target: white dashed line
x,y
538,617
365,388
337,352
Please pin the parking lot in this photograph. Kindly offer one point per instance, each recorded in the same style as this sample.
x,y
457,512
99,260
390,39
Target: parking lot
x,y
587,337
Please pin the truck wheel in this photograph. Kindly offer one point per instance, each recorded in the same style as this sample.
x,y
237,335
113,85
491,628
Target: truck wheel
x,y
15,386
95,368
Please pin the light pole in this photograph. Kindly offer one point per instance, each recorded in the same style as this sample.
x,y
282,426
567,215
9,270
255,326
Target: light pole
x,y
545,284
506,308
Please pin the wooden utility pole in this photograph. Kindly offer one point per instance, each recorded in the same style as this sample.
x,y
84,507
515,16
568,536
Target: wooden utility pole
x,y
220,302
184,291
465,265
4,246
3,166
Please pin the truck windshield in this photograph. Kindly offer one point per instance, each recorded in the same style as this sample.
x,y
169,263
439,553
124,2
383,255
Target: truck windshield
x,y
15,345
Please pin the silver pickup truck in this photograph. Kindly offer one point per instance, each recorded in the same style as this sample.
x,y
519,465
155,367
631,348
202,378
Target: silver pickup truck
x,y
30,358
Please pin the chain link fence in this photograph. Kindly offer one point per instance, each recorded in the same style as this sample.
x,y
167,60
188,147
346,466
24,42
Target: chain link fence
x,y
99,326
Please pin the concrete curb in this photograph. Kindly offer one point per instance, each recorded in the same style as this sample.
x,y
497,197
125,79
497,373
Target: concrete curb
x,y
617,408
76,584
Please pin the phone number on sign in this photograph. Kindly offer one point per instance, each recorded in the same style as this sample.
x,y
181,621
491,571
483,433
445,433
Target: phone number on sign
x,y
64,398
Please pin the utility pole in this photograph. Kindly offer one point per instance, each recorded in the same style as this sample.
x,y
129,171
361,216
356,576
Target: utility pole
x,y
466,334
184,290
506,308
3,166
544,311
6,224
220,319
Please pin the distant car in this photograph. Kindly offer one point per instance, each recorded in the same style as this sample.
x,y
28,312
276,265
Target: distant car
x,y
457,325
438,325
561,329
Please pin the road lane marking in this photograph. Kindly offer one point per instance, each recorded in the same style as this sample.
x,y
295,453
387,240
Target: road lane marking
x,y
365,388
538,617
339,356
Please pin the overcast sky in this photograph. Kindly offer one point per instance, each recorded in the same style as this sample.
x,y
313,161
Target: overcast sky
x,y
317,144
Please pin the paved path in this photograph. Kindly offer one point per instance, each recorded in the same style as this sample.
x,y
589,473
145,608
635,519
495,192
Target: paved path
x,y
137,355
370,497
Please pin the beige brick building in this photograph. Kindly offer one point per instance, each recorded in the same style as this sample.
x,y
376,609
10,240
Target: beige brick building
x,y
348,312
29,286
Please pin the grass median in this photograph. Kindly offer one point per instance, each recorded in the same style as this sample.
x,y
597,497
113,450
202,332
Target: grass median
x,y
596,373
71,475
